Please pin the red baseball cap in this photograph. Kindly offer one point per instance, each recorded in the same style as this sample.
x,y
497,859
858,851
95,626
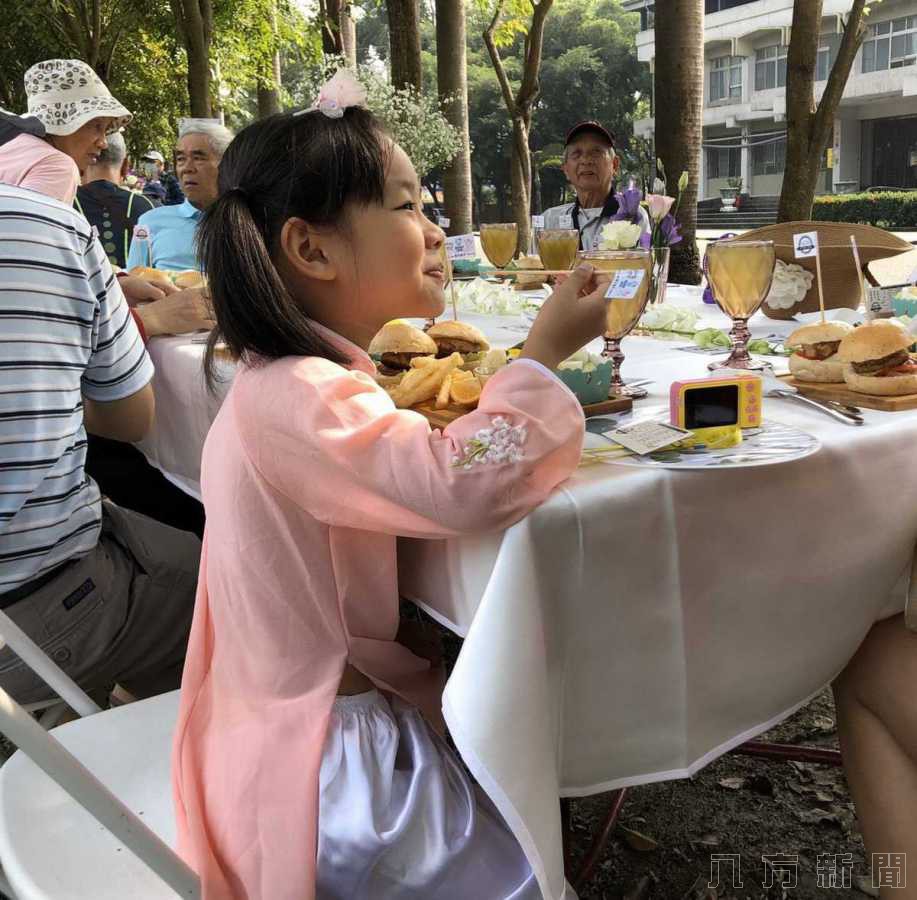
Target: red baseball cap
x,y
590,125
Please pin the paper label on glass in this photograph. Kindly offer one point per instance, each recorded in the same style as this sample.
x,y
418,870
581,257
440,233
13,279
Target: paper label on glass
x,y
648,437
805,245
625,284
443,222
460,246
538,221
565,221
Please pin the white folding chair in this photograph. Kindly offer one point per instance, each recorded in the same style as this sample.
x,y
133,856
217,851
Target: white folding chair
x,y
86,810
49,672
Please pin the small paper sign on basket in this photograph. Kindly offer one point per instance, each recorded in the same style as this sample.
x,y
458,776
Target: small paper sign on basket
x,y
805,245
625,284
460,246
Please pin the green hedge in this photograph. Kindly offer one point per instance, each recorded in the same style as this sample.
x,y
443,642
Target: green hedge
x,y
889,209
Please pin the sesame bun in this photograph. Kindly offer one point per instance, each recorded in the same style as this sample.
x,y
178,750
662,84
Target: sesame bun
x,y
457,337
190,279
874,340
400,337
818,333
886,386
156,276
825,371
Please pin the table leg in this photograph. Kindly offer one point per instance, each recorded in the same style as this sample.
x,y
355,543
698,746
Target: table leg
x,y
789,752
600,840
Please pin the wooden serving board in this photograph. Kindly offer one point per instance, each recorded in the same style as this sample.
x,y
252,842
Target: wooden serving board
x,y
842,394
440,418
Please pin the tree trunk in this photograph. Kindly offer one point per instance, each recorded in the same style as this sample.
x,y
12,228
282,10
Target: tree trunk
x,y
194,22
520,107
452,75
404,42
349,35
269,91
679,83
810,127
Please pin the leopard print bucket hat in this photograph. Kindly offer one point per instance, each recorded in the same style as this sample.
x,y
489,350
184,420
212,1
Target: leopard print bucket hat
x,y
65,94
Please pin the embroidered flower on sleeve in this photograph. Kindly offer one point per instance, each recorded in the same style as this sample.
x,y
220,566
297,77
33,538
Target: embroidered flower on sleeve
x,y
501,443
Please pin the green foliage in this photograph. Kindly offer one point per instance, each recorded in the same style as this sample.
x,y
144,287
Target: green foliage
x,y
887,209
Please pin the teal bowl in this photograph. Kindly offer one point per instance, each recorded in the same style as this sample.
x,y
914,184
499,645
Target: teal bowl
x,y
904,306
589,387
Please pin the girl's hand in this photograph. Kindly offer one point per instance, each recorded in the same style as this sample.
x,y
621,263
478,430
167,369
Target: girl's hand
x,y
570,318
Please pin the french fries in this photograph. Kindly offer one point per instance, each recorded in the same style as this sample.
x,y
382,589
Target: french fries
x,y
424,380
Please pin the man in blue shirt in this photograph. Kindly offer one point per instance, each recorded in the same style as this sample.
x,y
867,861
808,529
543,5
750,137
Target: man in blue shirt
x,y
164,237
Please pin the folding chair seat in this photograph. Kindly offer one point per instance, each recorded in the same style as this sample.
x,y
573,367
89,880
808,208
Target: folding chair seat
x,y
51,847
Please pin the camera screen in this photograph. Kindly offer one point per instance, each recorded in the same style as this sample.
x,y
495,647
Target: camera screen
x,y
712,407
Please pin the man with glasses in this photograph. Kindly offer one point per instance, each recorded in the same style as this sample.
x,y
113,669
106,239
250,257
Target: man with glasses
x,y
590,164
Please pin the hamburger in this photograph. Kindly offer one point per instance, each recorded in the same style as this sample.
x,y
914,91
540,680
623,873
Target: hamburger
x,y
815,352
190,279
155,276
457,337
397,344
876,359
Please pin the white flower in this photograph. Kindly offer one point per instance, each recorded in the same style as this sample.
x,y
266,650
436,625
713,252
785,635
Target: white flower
x,y
790,285
620,236
502,443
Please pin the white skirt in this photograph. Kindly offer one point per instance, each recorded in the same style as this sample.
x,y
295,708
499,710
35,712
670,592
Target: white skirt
x,y
399,818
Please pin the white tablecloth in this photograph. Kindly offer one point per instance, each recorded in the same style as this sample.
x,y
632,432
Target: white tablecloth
x,y
641,622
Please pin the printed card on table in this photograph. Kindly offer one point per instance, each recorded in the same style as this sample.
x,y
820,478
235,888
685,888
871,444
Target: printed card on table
x,y
648,437
460,246
625,284
805,245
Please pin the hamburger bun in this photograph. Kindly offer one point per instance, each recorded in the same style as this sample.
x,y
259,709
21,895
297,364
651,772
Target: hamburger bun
x,y
457,337
874,340
886,386
190,279
155,276
824,371
819,332
397,343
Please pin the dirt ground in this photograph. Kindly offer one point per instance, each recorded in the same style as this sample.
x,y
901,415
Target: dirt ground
x,y
737,805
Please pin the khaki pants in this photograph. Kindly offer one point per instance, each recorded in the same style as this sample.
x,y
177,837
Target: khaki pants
x,y
120,614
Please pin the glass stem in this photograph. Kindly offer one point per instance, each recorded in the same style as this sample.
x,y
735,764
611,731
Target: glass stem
x,y
740,336
613,352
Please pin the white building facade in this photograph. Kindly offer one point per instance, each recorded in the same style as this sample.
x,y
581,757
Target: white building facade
x,y
745,46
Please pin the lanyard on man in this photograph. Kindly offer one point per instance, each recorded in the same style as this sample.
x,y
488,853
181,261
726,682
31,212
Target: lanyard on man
x,y
609,208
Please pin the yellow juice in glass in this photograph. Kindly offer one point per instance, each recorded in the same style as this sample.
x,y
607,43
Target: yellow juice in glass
x,y
740,276
499,242
557,247
622,314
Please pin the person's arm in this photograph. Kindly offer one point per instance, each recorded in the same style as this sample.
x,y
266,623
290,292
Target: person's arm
x,y
121,420
179,313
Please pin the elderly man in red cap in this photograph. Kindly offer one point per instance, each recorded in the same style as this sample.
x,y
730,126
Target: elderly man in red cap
x,y
590,164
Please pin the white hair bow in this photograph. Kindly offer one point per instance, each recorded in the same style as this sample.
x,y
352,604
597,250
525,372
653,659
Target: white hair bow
x,y
340,92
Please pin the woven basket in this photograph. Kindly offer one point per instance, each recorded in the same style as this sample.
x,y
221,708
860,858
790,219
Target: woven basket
x,y
838,269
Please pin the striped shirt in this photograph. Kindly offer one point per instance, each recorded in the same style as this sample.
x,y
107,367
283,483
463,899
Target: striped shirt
x,y
65,333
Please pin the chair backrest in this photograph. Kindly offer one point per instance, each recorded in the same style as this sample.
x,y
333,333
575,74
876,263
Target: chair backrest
x,y
45,668
74,778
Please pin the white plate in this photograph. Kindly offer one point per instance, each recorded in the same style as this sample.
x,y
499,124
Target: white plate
x,y
768,445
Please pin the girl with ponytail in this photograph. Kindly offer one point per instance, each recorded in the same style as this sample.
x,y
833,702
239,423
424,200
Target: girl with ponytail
x,y
303,763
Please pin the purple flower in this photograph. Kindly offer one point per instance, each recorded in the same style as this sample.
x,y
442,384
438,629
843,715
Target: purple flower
x,y
668,229
646,240
629,204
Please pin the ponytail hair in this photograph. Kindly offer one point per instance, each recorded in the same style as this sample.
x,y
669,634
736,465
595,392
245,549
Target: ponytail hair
x,y
303,165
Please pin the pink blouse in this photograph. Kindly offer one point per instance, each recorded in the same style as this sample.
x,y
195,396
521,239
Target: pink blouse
x,y
309,474
31,162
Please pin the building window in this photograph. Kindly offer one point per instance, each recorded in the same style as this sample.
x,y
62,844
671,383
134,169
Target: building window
x,y
769,158
770,67
726,79
827,52
890,45
712,6
724,162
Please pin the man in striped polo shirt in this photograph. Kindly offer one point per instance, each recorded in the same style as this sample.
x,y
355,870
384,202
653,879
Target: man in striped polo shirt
x,y
106,592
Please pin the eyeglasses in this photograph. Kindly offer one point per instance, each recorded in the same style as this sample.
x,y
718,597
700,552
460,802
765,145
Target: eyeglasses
x,y
591,155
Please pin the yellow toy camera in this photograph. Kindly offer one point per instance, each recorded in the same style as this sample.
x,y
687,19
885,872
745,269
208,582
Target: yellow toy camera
x,y
717,409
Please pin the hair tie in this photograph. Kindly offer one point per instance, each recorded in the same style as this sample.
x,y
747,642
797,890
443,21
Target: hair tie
x,y
338,94
238,191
